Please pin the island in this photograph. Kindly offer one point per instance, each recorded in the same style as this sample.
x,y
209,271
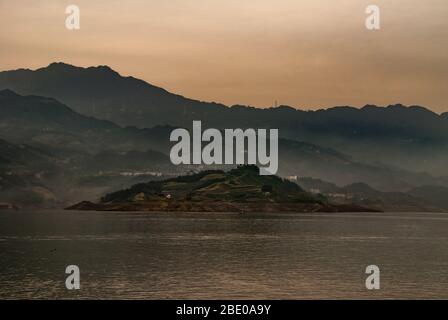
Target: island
x,y
240,190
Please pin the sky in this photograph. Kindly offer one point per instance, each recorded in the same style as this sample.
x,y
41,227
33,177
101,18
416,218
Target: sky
x,y
309,54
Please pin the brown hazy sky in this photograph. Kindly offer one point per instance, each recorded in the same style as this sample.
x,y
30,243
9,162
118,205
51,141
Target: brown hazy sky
x,y
304,53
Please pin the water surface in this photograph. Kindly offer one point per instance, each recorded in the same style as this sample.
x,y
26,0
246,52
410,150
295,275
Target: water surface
x,y
222,256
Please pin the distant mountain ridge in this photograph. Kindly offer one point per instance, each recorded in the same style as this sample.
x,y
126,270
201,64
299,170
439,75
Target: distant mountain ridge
x,y
412,138
90,144
99,91
424,198
45,147
104,94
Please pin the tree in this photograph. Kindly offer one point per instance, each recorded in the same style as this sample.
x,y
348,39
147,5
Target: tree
x,y
266,188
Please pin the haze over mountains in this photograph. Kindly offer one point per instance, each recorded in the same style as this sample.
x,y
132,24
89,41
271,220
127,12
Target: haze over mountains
x,y
91,130
413,138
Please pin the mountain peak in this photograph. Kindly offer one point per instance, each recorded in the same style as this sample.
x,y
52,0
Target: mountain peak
x,y
397,106
412,108
370,107
102,67
62,66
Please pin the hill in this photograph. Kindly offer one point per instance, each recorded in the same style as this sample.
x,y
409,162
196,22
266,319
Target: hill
x,y
23,170
420,199
438,195
45,145
238,190
46,121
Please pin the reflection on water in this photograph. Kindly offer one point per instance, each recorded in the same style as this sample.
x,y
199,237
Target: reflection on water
x,y
228,256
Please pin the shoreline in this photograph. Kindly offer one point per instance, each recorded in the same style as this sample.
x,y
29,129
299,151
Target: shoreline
x,y
217,207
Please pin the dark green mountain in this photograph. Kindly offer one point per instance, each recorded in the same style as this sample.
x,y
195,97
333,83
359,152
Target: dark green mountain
x,y
241,184
411,138
46,121
47,145
87,145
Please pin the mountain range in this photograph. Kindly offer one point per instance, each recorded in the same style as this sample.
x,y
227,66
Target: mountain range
x,y
94,131
412,138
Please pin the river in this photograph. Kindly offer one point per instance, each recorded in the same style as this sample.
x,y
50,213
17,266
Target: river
x,y
125,255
